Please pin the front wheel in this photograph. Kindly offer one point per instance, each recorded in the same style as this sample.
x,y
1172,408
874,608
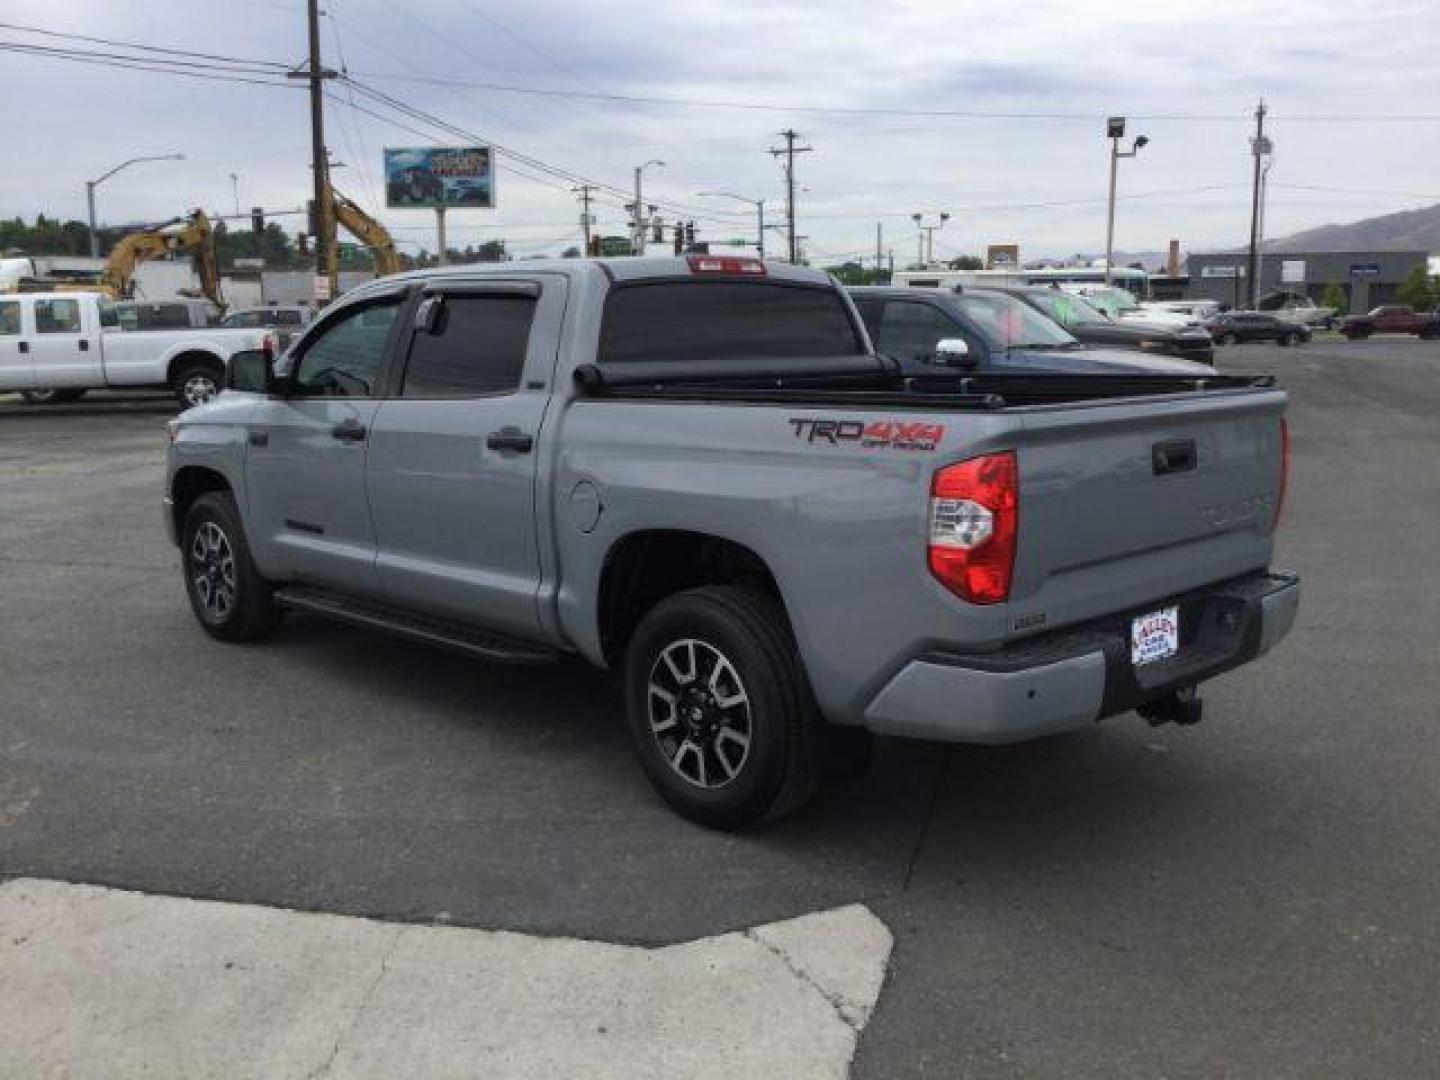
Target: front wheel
x,y
228,595
719,709
1289,339
195,384
1227,339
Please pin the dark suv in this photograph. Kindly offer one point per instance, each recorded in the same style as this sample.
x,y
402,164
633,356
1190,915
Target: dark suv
x,y
1093,327
1233,327
1000,333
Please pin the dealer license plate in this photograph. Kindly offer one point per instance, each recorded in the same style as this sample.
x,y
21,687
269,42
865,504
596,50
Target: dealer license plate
x,y
1155,636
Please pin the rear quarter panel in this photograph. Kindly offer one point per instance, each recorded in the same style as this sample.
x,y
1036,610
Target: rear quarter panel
x,y
842,527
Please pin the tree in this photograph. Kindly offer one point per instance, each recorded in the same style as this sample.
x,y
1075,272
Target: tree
x,y
1419,289
1335,298
967,262
570,253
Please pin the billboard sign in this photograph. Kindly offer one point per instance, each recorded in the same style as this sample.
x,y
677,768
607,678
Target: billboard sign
x,y
433,177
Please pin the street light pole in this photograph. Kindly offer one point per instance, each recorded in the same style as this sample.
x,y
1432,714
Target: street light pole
x,y
1260,147
759,205
927,236
91,185
1260,230
1115,131
638,220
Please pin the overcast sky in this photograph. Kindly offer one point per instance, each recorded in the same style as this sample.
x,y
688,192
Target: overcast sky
x,y
1195,70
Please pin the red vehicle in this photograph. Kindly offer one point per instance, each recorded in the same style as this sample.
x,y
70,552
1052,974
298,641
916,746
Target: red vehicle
x,y
1391,319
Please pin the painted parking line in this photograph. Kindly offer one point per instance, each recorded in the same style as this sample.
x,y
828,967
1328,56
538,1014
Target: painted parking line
x,y
103,982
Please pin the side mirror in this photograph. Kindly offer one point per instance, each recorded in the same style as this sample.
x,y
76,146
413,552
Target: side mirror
x,y
953,352
427,315
251,371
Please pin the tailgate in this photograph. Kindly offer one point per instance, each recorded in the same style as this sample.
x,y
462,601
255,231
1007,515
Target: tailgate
x,y
1128,503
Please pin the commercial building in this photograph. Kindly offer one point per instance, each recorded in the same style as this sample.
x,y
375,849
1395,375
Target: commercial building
x,y
1369,278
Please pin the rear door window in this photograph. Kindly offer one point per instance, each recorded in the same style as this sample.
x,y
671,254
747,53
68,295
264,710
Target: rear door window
x,y
57,316
910,330
9,317
724,320
477,348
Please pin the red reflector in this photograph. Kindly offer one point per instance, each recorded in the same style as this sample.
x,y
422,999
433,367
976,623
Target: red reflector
x,y
974,519
725,264
1284,469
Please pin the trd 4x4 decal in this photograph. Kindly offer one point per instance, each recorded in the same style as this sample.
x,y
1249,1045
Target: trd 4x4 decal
x,y
875,435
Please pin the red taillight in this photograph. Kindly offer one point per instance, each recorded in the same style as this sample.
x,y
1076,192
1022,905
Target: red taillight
x,y
974,514
726,264
1284,470
267,345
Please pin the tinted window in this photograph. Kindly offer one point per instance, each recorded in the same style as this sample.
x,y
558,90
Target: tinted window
x,y
9,317
478,347
243,319
57,316
287,318
722,320
346,358
910,329
1006,321
108,315
163,316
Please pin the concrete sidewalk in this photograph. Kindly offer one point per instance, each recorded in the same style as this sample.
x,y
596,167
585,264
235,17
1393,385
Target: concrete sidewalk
x,y
99,982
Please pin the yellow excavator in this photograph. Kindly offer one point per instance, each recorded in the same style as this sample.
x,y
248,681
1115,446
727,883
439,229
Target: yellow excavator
x,y
369,232
192,233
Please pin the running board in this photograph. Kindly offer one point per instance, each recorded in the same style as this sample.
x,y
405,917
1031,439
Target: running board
x,y
408,624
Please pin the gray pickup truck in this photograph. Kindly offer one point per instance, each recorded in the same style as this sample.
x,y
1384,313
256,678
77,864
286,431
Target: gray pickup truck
x,y
697,471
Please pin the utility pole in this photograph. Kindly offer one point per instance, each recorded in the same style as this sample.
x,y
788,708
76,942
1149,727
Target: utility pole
x,y
235,190
789,150
584,190
319,161
638,218
1259,147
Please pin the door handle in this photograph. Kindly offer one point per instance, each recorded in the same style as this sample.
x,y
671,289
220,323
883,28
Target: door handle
x,y
84,344
259,438
24,346
509,441
350,430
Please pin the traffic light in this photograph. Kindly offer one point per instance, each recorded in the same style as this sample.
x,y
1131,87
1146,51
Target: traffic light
x,y
679,239
257,220
593,250
657,231
312,222
302,243
689,234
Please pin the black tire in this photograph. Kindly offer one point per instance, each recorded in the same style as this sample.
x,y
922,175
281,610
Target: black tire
x,y
778,768
1289,339
197,382
1227,339
229,597
51,397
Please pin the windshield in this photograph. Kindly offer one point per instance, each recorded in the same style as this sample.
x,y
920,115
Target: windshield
x,y
1008,323
1067,309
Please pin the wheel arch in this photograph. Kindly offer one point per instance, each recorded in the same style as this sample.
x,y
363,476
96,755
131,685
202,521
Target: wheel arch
x,y
643,567
191,355
188,484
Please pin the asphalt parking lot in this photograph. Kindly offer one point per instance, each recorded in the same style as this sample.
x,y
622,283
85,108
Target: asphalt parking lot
x,y
1252,897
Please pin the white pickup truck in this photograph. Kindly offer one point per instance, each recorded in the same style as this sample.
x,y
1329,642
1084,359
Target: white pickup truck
x,y
56,346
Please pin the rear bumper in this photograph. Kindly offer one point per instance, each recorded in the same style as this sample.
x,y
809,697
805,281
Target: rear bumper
x,y
1071,678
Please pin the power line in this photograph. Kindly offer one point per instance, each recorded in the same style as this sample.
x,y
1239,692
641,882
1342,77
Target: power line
x,y
142,47
138,64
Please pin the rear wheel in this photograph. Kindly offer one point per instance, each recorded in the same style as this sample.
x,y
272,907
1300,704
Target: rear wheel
x,y
51,397
196,383
1227,338
1290,338
719,710
228,595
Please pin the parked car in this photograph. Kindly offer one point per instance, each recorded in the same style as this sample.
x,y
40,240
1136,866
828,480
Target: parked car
x,y
1093,327
1194,309
1120,304
56,346
1297,307
697,473
1391,319
1000,333
165,314
1233,327
285,320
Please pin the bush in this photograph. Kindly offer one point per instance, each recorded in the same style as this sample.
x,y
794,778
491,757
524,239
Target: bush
x,y
1418,290
1335,298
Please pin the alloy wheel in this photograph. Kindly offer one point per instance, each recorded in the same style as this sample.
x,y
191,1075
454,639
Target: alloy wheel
x,y
699,713
212,571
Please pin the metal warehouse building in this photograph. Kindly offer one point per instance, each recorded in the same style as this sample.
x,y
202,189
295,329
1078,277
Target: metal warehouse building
x,y
1368,277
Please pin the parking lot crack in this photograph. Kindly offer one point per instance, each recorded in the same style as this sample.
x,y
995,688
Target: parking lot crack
x,y
323,1069
852,1014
